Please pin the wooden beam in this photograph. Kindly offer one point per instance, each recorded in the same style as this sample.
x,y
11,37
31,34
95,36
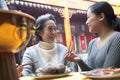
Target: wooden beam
x,y
67,25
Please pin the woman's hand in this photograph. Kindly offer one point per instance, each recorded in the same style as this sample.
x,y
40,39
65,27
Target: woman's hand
x,y
72,57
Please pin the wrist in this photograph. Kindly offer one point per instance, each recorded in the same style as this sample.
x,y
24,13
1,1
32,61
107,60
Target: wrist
x,y
77,59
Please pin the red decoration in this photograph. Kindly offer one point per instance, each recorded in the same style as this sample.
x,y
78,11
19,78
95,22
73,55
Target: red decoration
x,y
83,43
73,44
93,36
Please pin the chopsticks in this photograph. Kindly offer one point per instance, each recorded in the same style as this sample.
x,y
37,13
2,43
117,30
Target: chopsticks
x,y
29,63
70,48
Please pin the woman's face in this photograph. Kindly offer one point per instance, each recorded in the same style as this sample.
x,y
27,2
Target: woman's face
x,y
49,31
92,21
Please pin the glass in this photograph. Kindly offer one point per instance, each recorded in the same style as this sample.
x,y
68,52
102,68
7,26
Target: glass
x,y
16,29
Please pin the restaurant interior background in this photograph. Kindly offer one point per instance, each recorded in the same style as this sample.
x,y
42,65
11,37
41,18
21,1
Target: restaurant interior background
x,y
70,16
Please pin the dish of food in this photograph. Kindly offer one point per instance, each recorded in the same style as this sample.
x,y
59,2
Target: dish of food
x,y
52,71
48,76
103,73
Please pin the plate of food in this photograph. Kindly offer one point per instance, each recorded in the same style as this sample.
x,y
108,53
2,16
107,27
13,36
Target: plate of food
x,y
49,76
52,71
103,73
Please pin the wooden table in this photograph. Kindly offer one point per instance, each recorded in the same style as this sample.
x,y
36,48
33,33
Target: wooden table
x,y
70,76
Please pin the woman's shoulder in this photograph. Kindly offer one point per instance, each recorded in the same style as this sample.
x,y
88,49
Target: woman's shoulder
x,y
117,34
115,37
31,48
93,40
61,46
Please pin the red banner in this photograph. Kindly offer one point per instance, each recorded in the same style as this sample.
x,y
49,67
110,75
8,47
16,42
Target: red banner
x,y
83,43
73,43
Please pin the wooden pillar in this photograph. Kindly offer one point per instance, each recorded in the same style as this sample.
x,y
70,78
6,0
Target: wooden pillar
x,y
67,24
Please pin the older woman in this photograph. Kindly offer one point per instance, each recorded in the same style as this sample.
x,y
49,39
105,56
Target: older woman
x,y
46,51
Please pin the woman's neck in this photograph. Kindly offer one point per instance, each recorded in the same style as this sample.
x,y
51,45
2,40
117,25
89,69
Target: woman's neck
x,y
104,37
105,33
46,45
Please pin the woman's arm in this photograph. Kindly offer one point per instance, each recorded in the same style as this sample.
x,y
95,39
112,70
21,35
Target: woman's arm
x,y
27,70
84,66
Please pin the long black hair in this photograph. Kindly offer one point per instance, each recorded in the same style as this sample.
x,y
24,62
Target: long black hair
x,y
40,24
106,8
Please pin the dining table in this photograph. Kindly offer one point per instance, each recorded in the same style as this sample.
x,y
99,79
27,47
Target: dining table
x,y
69,76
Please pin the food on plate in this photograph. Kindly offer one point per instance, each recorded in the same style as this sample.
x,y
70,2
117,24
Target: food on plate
x,y
48,69
60,68
52,69
102,72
